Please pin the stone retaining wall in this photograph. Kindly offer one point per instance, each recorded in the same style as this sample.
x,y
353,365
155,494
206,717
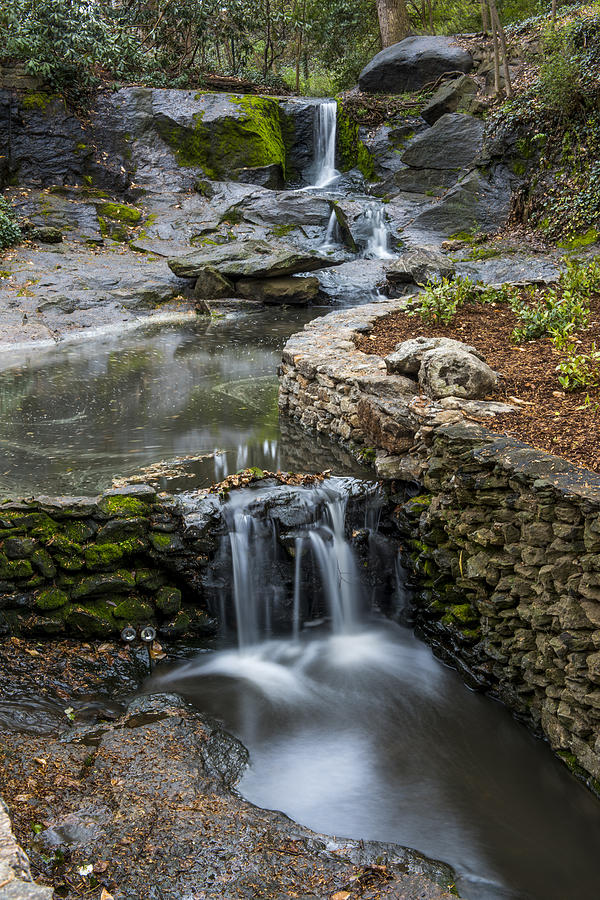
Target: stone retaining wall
x,y
503,540
88,566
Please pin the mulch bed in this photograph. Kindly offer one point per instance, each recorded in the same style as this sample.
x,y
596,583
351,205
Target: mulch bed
x,y
551,419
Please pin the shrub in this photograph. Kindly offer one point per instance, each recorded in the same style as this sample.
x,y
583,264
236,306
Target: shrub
x,y
579,370
10,233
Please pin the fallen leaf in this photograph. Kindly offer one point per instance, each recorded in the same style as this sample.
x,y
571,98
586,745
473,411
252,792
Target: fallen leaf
x,y
105,895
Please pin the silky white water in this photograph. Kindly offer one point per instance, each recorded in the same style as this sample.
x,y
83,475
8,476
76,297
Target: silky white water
x,y
324,172
355,729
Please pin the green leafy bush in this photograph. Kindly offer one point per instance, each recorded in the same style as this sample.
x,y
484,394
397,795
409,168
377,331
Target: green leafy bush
x,y
563,309
579,371
10,233
440,300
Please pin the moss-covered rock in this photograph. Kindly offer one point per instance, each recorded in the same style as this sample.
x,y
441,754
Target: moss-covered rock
x,y
168,600
102,556
18,547
134,609
125,506
351,151
120,212
109,583
249,136
94,620
53,598
14,568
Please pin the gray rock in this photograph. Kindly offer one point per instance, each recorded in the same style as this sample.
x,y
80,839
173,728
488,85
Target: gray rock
x,y
478,202
48,235
419,266
454,142
211,285
296,291
249,259
290,208
450,372
412,63
265,176
408,356
450,97
298,115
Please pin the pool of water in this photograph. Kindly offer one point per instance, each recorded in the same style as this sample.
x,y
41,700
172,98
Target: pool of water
x,y
369,736
74,416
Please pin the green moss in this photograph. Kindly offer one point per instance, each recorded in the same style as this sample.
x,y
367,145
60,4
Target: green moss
x,y
134,610
162,541
120,212
69,563
253,139
14,568
284,229
351,150
102,556
53,598
168,600
149,579
123,506
591,236
36,100
460,614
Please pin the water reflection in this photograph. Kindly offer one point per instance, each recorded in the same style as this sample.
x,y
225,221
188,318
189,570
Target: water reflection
x,y
74,416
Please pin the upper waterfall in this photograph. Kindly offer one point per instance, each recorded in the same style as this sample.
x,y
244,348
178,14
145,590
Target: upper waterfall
x,y
323,170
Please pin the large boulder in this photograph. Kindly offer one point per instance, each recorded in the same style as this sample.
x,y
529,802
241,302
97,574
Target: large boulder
x,y
412,63
454,142
419,266
249,259
454,372
408,355
264,176
479,202
453,96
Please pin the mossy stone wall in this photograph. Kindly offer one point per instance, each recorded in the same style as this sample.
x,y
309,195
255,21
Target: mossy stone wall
x,y
89,566
505,544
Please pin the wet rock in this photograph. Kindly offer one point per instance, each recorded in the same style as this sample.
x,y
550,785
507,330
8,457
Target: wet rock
x,y
270,177
47,235
249,259
451,97
211,285
16,882
296,291
419,266
453,142
408,356
163,775
446,372
412,63
282,210
478,202
299,123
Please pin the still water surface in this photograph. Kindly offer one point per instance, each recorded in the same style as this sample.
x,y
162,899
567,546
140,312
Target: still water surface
x,y
74,416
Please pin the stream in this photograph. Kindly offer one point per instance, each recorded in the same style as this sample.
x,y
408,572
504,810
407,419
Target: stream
x,y
353,727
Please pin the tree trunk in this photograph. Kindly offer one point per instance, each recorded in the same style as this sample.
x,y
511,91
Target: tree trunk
x,y
394,24
502,37
496,51
485,17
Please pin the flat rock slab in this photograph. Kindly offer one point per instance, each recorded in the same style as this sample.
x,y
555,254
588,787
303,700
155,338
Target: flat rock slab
x,y
49,292
412,63
250,259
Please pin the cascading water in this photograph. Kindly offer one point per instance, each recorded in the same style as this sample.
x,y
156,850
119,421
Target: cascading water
x,y
356,729
324,171
378,236
333,234
258,584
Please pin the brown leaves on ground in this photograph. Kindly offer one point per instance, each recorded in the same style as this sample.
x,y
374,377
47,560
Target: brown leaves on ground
x,y
549,418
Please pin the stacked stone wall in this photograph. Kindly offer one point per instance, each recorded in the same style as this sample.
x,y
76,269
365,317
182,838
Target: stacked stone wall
x,y
88,566
503,540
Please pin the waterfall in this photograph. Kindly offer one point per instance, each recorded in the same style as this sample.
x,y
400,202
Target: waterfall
x,y
332,235
378,236
267,593
324,171
338,568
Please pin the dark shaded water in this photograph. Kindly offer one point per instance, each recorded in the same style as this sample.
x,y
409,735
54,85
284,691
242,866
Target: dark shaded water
x,y
369,736
75,416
